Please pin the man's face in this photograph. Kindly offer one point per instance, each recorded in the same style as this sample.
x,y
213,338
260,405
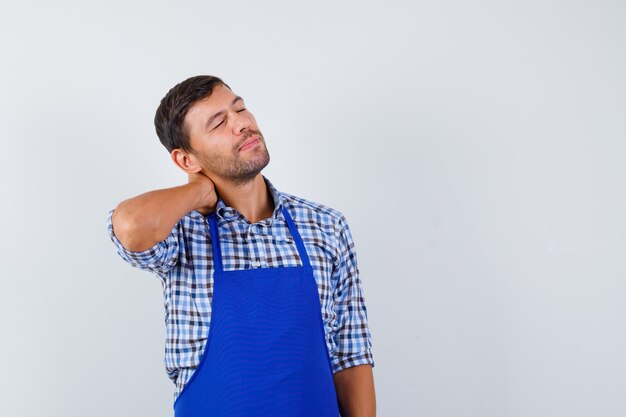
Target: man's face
x,y
218,127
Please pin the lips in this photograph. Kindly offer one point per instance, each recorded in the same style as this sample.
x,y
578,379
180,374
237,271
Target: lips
x,y
252,140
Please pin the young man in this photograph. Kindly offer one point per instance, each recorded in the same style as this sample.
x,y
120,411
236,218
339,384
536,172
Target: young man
x,y
265,314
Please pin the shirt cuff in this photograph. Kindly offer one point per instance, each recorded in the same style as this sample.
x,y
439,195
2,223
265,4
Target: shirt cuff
x,y
340,363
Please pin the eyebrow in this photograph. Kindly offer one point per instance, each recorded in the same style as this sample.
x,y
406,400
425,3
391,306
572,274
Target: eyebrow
x,y
219,113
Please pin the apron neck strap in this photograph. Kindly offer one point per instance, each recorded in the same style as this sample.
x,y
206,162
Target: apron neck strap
x,y
217,249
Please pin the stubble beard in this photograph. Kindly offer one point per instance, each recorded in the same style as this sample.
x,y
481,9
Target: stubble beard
x,y
237,170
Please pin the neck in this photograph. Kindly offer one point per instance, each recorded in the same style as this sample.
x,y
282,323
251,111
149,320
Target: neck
x,y
253,200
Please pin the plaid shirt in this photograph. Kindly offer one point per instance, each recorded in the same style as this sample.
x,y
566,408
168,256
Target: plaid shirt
x,y
183,262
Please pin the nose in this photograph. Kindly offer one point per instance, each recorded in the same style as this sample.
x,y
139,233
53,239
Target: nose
x,y
242,122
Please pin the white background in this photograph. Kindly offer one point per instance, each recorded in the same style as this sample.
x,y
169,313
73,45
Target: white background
x,y
476,148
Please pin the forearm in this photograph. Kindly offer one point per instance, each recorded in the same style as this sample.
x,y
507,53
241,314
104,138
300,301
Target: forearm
x,y
355,391
142,221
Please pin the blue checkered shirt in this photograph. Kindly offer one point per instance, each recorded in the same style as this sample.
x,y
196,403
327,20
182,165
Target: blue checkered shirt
x,y
183,262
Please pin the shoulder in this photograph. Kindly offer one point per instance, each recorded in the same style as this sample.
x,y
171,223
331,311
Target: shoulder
x,y
314,214
192,225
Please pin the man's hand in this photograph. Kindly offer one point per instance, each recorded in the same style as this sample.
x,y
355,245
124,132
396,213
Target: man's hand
x,y
208,196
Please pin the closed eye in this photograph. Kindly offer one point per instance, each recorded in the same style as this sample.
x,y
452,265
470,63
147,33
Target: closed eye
x,y
218,125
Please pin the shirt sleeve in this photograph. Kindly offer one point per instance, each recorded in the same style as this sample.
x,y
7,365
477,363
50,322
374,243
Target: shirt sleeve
x,y
158,259
352,338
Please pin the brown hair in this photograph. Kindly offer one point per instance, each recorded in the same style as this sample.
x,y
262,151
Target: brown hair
x,y
170,115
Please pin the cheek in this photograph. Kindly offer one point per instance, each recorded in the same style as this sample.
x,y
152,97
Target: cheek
x,y
215,152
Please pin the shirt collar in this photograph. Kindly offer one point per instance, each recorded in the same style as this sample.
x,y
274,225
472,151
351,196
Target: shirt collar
x,y
227,213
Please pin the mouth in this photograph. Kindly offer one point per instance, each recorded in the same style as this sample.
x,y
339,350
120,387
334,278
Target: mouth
x,y
251,142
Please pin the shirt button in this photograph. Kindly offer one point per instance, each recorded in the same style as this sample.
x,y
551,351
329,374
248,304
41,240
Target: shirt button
x,y
256,263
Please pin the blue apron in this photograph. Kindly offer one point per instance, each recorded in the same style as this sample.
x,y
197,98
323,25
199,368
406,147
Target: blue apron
x,y
266,352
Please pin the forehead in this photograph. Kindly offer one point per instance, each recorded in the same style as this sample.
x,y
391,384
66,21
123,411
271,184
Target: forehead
x,y
220,98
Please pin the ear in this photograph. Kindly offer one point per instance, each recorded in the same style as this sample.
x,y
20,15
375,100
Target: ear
x,y
185,161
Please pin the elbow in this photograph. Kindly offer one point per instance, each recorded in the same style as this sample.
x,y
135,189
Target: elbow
x,y
127,229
